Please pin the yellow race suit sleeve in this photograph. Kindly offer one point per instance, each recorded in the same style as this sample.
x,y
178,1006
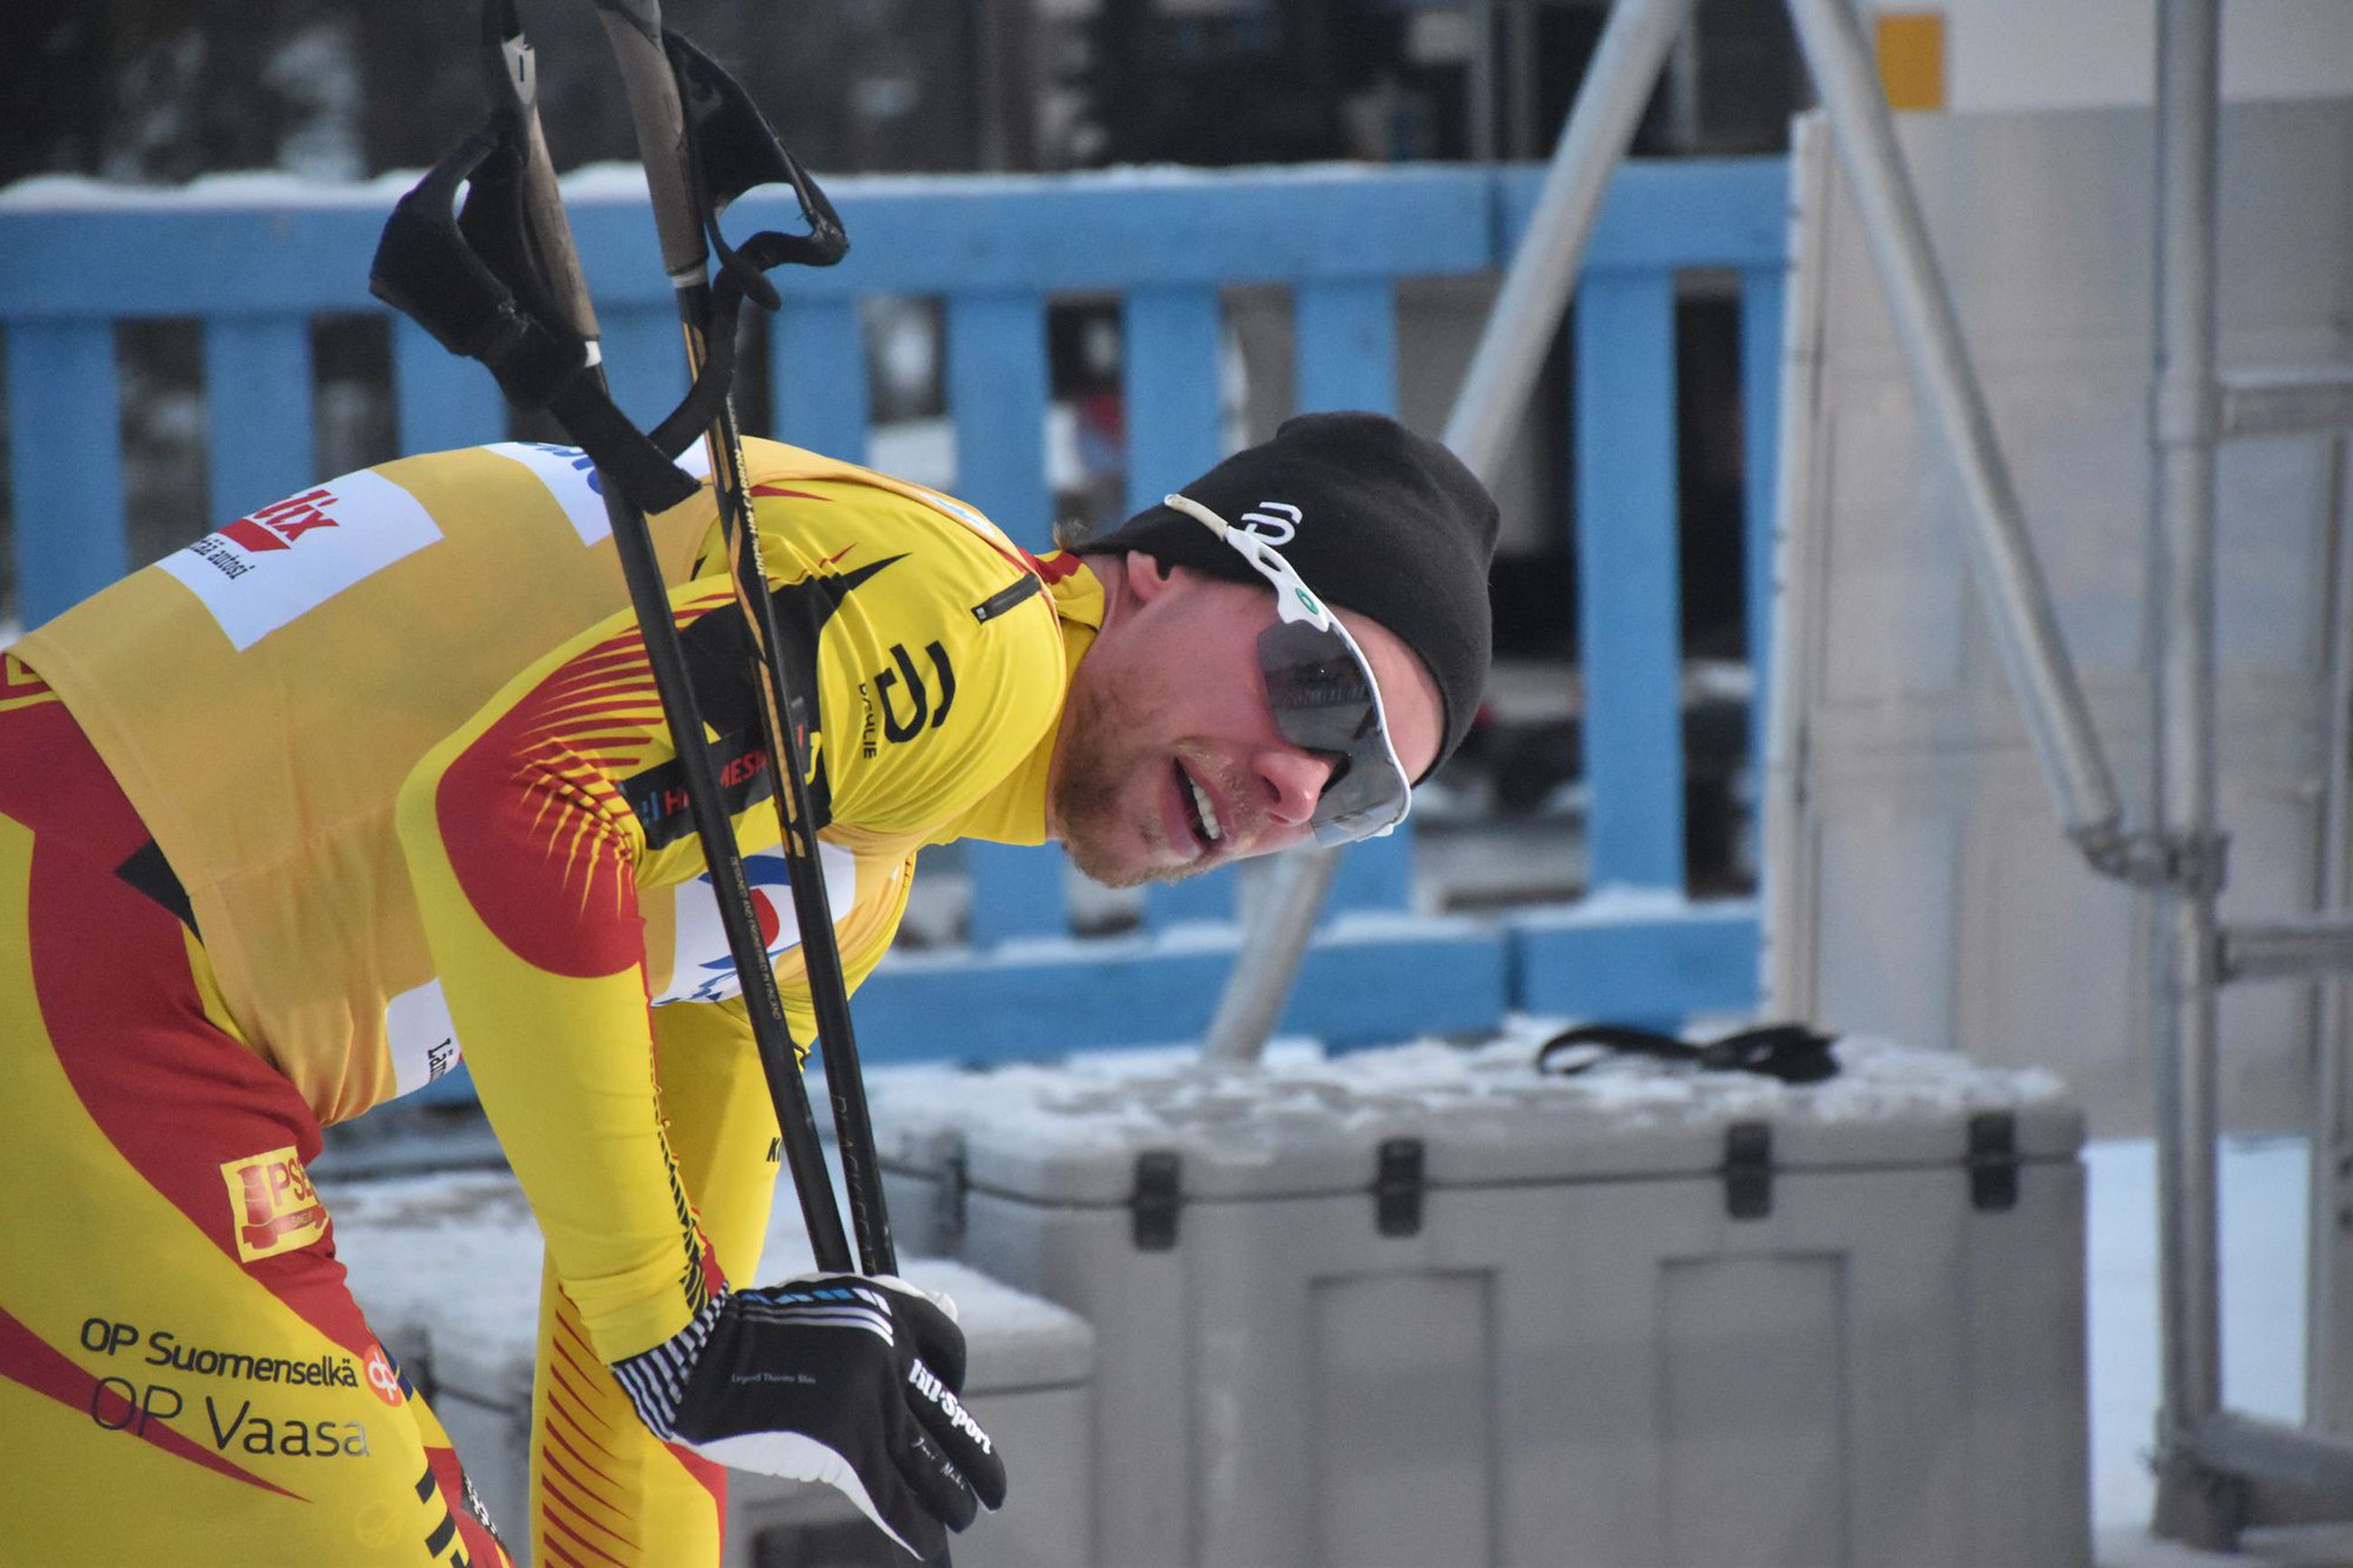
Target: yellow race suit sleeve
x,y
538,833
604,1489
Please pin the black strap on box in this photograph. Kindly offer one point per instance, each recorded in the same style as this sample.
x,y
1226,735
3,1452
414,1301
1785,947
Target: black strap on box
x,y
1789,1052
1399,1183
1158,1200
1993,1161
464,271
1748,1169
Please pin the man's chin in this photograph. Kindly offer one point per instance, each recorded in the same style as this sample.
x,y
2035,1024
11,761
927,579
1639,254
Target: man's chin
x,y
1104,864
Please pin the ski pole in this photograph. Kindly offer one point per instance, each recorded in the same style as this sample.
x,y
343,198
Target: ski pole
x,y
634,29
514,92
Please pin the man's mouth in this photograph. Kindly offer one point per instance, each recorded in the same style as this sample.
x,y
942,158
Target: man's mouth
x,y
1200,811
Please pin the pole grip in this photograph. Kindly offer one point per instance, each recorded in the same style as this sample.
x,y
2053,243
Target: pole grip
x,y
511,69
634,29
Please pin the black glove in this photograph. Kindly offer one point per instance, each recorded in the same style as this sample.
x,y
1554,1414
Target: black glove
x,y
848,1379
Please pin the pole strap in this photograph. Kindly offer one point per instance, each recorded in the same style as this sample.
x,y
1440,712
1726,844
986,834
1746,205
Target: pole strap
x,y
464,269
1789,1052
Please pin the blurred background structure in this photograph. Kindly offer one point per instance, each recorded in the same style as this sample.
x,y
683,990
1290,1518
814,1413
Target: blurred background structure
x,y
150,94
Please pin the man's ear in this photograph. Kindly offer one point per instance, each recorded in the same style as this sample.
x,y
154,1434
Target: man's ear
x,y
1147,575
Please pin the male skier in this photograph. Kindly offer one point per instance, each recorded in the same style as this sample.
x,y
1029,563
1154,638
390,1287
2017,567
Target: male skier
x,y
374,777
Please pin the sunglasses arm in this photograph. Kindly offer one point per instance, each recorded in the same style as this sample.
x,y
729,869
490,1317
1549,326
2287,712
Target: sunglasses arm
x,y
1294,600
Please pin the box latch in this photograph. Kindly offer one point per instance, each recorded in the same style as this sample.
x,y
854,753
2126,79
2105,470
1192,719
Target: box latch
x,y
1397,1187
1158,1197
1748,1170
1993,1161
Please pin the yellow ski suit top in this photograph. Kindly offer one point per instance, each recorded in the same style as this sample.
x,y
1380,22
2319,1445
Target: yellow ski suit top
x,y
397,740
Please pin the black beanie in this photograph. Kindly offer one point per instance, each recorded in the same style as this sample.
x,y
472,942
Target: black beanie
x,y
1390,525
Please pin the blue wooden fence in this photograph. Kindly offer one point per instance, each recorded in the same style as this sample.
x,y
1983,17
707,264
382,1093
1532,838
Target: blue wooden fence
x,y
255,264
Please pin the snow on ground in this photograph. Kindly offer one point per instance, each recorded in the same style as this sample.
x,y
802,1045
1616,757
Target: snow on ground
x,y
2262,1197
2264,1184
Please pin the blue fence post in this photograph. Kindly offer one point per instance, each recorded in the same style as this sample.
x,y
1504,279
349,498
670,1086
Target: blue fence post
x,y
65,463
1347,333
257,394
1175,428
817,377
997,393
645,359
441,401
1626,558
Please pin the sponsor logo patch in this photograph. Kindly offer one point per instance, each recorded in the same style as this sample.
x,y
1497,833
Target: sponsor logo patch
x,y
383,1377
269,567
275,1206
701,968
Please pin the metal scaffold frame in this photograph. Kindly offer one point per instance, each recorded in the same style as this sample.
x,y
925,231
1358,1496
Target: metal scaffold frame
x,y
2218,1471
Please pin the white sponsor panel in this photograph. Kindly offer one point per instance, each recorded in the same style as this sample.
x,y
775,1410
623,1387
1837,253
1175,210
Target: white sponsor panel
x,y
424,1041
571,478
700,969
269,567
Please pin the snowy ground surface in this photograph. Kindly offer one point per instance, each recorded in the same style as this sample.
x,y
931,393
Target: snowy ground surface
x,y
2263,1183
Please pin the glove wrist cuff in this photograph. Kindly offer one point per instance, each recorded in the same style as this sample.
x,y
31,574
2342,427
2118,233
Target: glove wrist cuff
x,y
655,1380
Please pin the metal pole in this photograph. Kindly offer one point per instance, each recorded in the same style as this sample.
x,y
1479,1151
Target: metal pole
x,y
2194,1504
2026,631
2328,1353
1635,45
1299,882
1789,978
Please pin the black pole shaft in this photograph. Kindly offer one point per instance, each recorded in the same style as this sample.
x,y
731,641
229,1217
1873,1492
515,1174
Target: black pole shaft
x,y
804,1148
634,29
513,85
784,717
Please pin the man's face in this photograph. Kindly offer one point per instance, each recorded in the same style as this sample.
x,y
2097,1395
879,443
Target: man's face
x,y
1168,762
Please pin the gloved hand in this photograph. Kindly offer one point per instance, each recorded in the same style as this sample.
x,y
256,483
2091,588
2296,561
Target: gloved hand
x,y
848,1379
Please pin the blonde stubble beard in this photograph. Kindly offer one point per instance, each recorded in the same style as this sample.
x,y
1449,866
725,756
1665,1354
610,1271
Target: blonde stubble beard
x,y
1090,764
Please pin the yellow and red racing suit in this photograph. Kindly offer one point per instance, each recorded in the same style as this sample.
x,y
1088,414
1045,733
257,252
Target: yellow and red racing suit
x,y
385,759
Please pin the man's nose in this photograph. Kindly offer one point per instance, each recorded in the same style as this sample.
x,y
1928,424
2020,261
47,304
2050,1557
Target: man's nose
x,y
1294,781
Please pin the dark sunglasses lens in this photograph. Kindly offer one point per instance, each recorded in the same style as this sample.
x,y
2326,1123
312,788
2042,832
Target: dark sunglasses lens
x,y
1318,690
1369,795
1322,702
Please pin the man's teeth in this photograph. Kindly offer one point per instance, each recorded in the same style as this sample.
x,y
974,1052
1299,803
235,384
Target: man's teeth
x,y
1209,828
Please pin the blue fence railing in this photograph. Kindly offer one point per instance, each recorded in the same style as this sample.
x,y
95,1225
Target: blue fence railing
x,y
255,263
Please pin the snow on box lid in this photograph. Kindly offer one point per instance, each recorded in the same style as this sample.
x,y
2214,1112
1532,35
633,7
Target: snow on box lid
x,y
446,1267
1304,1124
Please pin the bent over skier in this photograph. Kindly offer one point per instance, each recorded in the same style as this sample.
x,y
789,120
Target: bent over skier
x,y
373,780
